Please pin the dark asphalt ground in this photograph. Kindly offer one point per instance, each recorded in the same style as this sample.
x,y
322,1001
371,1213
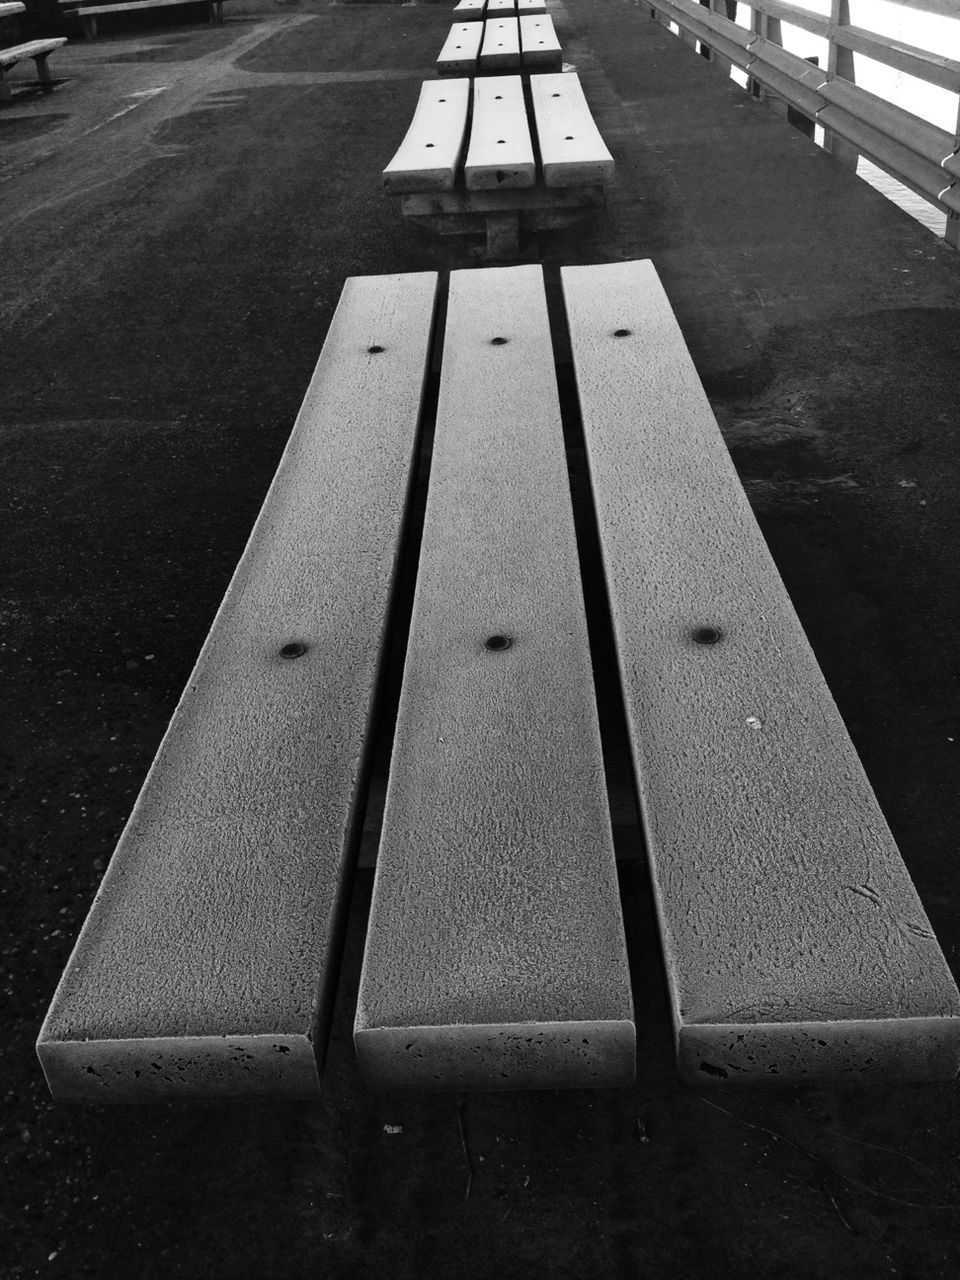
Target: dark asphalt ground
x,y
176,222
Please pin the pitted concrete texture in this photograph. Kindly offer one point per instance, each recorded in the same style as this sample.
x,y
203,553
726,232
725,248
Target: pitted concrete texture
x,y
795,943
495,954
206,965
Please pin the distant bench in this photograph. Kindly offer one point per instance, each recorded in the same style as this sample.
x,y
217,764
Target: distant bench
x,y
89,13
499,181
39,51
795,945
500,44
474,9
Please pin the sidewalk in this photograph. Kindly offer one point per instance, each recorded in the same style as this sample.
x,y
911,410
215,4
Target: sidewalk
x,y
176,223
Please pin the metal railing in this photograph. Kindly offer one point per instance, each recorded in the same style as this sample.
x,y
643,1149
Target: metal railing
x,y
917,153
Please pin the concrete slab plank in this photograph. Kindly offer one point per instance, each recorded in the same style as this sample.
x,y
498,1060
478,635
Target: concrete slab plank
x,y
207,962
495,955
795,943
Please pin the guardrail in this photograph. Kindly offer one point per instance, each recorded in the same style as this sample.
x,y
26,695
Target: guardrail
x,y
921,155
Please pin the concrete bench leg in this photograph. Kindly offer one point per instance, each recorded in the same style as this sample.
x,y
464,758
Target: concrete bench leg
x,y
89,25
503,235
6,93
43,72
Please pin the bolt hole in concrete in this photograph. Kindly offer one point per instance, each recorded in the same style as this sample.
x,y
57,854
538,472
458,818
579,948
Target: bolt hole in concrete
x,y
428,145
568,138
293,650
496,644
375,350
621,333
498,342
707,635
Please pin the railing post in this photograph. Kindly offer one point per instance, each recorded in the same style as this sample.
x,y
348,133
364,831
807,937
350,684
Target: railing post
x,y
771,30
727,9
840,63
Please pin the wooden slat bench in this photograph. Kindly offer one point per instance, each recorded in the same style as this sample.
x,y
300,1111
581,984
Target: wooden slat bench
x,y
498,181
39,51
88,14
502,44
795,944
495,955
207,963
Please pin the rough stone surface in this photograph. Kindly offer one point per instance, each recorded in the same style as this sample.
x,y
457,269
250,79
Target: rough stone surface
x,y
495,954
572,152
500,152
501,45
458,57
538,43
427,158
207,962
795,943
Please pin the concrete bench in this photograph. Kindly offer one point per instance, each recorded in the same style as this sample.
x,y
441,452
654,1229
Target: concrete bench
x,y
500,44
89,13
498,182
39,51
795,945
207,964
468,10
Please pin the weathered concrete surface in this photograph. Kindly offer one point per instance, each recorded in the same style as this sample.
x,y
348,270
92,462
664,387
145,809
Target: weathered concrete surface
x,y
458,57
539,45
166,292
572,152
428,157
500,153
794,941
495,954
208,962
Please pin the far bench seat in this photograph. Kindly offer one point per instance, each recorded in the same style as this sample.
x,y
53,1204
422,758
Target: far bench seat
x,y
39,51
499,181
474,9
501,44
89,13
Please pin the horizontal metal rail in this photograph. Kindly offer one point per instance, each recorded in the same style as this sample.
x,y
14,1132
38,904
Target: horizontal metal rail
x,y
919,154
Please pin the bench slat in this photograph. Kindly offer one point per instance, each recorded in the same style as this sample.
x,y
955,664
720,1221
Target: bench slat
x,y
500,152
495,954
571,148
531,6
206,965
795,943
468,9
99,10
427,158
458,57
501,46
539,44
31,49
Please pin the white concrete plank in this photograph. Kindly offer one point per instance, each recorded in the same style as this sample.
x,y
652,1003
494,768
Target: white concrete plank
x,y
207,963
501,46
795,944
572,151
468,10
531,6
460,50
539,45
500,8
495,954
427,158
500,153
